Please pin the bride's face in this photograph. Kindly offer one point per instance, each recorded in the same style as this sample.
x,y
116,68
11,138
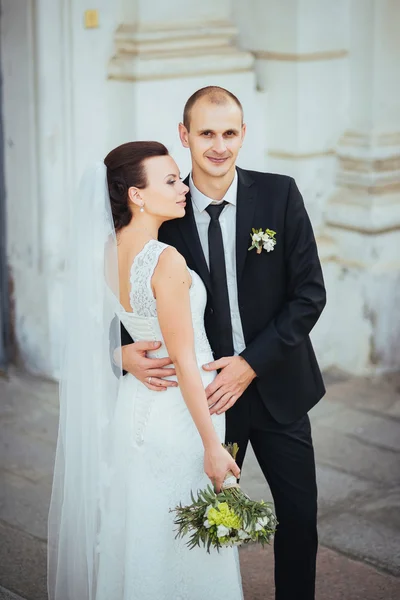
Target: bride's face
x,y
165,194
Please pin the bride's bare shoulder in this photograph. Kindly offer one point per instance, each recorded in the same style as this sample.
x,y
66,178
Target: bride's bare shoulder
x,y
171,265
171,258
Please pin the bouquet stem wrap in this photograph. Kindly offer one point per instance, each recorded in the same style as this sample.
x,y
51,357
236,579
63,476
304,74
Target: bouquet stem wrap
x,y
230,482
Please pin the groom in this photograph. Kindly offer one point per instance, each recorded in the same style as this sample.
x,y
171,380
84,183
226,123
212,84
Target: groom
x,y
262,305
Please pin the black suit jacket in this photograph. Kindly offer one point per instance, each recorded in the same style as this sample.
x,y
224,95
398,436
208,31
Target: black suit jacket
x,y
281,293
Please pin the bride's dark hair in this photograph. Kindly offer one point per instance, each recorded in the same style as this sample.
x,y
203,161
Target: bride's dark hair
x,y
125,169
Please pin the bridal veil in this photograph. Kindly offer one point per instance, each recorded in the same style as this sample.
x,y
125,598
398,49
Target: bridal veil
x,y
88,392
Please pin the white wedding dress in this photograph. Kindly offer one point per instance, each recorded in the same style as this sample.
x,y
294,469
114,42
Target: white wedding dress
x,y
156,461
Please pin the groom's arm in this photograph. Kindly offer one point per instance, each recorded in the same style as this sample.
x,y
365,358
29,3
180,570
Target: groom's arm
x,y
125,339
150,371
306,296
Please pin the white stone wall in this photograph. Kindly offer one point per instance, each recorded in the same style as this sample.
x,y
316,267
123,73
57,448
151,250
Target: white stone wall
x,y
320,87
55,111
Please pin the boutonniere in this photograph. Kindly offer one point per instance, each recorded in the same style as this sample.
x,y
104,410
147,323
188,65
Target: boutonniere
x,y
263,240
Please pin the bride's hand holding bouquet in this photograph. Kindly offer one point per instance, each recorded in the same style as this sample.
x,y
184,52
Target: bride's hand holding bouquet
x,y
217,463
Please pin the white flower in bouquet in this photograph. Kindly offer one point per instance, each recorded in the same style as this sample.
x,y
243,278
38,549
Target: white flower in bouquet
x,y
222,531
209,507
207,523
262,524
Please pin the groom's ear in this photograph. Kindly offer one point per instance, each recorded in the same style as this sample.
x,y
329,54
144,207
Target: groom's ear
x,y
184,135
244,129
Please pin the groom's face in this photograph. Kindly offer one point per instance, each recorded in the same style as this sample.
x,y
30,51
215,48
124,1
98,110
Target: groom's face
x,y
215,136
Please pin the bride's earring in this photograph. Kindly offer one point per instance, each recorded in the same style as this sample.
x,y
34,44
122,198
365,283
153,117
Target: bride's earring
x,y
141,207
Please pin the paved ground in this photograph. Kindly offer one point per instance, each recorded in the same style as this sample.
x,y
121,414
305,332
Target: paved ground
x,y
357,439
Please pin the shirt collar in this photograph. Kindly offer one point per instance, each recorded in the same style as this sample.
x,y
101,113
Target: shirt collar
x,y
201,201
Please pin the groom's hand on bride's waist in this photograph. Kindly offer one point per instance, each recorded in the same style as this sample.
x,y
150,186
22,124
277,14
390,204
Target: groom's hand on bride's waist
x,y
234,378
150,371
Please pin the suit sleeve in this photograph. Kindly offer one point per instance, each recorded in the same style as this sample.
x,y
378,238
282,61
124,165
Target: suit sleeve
x,y
125,339
305,292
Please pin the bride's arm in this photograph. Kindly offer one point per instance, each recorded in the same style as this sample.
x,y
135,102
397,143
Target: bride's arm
x,y
171,282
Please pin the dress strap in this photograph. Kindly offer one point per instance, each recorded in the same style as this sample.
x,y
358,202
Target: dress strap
x,y
141,297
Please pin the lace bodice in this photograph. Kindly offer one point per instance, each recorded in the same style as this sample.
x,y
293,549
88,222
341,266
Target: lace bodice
x,y
142,323
141,297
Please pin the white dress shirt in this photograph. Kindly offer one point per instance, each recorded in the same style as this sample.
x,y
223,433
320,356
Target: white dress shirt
x,y
227,221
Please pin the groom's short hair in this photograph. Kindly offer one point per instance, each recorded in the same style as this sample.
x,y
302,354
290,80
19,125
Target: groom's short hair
x,y
215,95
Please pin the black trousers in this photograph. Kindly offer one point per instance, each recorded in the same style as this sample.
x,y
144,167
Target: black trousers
x,y
286,456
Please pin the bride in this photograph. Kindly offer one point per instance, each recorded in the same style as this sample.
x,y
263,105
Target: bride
x,y
126,454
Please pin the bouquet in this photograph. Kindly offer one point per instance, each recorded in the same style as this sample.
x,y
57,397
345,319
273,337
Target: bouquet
x,y
229,518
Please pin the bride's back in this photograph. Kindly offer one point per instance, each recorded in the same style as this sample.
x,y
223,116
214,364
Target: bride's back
x,y
140,320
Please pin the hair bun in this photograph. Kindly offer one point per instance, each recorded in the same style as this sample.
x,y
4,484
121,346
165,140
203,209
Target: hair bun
x,y
118,189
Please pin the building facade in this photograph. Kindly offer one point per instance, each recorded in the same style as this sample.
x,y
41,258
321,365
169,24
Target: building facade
x,y
320,86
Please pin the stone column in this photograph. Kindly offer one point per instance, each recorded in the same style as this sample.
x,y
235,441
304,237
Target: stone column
x,y
301,51
363,215
164,51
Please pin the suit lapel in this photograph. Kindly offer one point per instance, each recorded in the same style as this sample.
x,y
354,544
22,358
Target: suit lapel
x,y
188,229
246,203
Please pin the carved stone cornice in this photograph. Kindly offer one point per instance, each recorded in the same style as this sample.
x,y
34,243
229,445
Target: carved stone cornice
x,y
360,211
164,52
300,155
357,139
367,197
301,56
327,249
